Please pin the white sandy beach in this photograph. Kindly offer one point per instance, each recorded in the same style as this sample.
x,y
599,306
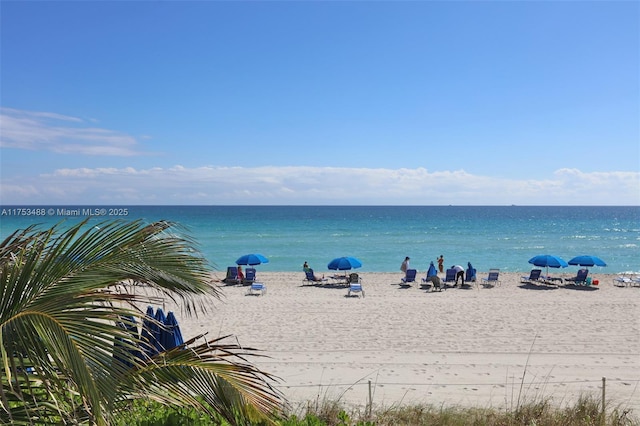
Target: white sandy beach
x,y
475,346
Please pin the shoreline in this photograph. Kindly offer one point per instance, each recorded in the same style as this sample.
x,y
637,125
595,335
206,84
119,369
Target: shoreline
x,y
594,272
218,272
472,346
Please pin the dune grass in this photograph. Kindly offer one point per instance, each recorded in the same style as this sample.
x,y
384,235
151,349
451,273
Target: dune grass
x,y
585,412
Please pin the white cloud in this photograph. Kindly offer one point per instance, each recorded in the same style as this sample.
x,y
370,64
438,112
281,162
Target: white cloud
x,y
316,185
46,131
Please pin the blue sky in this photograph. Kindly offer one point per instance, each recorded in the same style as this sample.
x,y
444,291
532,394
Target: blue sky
x,y
320,102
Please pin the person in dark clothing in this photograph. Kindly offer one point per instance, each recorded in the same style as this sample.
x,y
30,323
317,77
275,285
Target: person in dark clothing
x,y
459,273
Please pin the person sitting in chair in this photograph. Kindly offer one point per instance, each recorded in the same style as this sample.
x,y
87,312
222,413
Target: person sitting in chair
x,y
310,274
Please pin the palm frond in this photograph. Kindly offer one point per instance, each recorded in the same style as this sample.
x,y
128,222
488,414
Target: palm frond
x,y
212,376
65,355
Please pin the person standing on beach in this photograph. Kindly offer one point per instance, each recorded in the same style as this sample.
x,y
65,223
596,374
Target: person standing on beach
x,y
405,265
459,273
240,274
441,264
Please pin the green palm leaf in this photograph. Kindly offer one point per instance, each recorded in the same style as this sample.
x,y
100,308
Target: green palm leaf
x,y
65,356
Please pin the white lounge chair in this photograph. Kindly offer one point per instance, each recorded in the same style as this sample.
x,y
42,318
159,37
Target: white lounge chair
x,y
623,280
355,285
257,288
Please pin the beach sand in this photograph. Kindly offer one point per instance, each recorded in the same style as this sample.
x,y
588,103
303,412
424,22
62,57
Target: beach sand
x,y
473,347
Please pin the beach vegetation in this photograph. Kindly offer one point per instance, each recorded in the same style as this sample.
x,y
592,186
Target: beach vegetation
x,y
67,296
584,412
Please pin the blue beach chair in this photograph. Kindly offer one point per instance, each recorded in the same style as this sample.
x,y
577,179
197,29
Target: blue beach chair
x,y
249,276
450,276
310,277
533,277
580,278
232,275
492,279
409,277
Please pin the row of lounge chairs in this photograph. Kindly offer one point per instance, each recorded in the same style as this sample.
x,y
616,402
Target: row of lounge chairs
x,y
492,279
233,277
353,280
431,279
536,277
311,278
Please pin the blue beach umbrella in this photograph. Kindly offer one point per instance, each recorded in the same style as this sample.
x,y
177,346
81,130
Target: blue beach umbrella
x,y
129,323
344,263
587,260
158,329
548,261
252,259
149,331
171,336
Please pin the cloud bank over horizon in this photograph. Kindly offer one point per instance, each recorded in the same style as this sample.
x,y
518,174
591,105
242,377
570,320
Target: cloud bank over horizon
x,y
296,185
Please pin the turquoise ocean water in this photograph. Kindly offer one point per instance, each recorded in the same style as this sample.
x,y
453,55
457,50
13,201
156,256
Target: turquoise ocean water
x,y
502,237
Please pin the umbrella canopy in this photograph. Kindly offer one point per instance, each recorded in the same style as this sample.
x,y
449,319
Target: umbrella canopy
x,y
158,329
587,260
344,263
549,261
252,259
